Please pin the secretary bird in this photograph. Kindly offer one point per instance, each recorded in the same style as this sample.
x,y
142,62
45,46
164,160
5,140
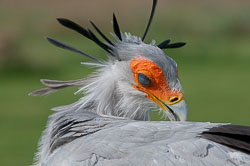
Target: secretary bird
x,y
110,125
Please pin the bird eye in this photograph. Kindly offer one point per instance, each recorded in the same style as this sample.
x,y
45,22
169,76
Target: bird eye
x,y
144,80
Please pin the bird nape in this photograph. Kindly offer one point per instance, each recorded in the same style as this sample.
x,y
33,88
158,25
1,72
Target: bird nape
x,y
110,124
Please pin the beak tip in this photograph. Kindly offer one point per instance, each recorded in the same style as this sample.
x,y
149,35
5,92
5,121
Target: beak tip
x,y
180,110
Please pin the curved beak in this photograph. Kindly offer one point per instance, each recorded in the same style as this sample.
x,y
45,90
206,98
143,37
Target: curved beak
x,y
176,112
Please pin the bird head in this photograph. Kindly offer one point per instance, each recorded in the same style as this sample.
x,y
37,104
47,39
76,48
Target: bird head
x,y
148,70
136,78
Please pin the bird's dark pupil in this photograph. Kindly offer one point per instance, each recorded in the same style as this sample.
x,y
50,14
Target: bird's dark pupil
x,y
144,80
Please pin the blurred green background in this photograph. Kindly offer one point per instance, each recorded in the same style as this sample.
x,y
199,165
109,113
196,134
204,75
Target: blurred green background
x,y
214,67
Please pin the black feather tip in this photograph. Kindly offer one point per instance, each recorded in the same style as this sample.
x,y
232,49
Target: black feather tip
x,y
150,19
67,47
166,44
116,27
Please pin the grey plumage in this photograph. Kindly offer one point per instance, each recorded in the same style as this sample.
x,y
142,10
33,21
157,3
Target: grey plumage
x,y
109,127
83,138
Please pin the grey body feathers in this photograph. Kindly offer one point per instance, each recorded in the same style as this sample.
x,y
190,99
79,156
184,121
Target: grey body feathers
x,y
83,138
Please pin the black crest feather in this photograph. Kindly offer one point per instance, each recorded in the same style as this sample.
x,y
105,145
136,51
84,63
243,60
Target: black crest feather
x,y
150,19
66,47
116,27
98,42
86,33
166,44
99,31
71,25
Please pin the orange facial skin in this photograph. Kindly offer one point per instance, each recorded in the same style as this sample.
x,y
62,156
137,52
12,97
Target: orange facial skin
x,y
158,89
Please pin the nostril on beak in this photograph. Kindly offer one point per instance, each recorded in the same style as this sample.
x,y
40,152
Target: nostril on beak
x,y
174,100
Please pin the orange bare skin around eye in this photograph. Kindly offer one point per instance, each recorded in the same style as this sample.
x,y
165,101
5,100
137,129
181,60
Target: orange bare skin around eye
x,y
158,87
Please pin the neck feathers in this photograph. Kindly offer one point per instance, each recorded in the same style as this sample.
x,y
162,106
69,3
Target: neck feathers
x,y
109,93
